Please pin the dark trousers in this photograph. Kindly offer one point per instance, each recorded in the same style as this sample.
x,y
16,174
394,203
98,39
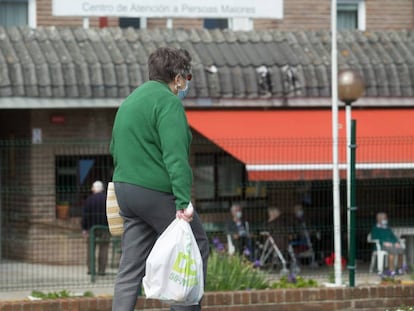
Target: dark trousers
x,y
147,213
103,237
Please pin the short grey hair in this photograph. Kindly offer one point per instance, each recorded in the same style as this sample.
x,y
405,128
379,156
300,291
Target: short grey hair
x,y
98,186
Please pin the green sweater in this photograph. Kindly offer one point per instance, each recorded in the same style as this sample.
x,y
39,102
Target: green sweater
x,y
151,141
383,234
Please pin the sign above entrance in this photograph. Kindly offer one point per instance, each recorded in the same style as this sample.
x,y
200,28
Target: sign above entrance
x,y
170,9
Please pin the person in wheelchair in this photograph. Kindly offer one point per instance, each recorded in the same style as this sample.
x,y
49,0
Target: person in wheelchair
x,y
302,240
275,248
280,227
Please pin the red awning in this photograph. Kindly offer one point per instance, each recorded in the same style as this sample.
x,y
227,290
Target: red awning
x,y
297,144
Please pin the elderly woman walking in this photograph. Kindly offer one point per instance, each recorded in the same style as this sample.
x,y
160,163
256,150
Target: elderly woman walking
x,y
153,179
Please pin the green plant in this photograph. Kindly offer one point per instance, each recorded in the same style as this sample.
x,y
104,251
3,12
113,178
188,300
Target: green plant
x,y
389,280
61,294
331,275
88,294
293,281
225,272
330,262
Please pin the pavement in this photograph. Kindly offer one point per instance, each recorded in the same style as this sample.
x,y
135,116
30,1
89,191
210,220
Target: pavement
x,y
18,279
24,294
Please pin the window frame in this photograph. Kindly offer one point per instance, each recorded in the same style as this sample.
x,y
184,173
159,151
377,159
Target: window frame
x,y
221,201
361,12
68,184
237,24
126,22
217,196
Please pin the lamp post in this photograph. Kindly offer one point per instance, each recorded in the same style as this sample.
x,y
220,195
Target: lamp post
x,y
335,165
350,88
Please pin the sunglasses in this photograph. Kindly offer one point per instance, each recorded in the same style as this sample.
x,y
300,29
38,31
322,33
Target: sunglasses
x,y
187,76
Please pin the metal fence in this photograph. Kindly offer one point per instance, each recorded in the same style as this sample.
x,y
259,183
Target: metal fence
x,y
43,188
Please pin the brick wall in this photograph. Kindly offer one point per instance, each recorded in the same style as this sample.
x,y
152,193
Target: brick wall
x,y
60,237
320,299
45,17
183,23
385,14
298,14
34,233
315,14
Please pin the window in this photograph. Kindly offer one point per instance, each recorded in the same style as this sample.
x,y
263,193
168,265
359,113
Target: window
x,y
134,22
14,13
217,176
75,175
229,177
351,14
238,24
214,23
219,180
241,24
347,16
204,176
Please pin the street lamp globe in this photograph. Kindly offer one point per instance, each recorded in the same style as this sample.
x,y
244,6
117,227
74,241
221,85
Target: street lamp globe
x,y
351,86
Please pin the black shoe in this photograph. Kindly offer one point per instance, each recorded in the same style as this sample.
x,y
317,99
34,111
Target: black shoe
x,y
101,273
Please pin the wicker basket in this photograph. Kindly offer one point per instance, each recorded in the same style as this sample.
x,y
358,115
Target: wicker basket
x,y
115,221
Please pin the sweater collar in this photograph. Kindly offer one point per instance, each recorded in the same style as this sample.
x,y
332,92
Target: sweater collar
x,y
164,84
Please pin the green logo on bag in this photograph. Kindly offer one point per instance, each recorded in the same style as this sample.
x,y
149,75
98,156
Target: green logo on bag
x,y
185,264
184,270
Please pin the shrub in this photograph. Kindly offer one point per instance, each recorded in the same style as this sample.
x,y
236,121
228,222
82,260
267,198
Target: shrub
x,y
225,272
293,281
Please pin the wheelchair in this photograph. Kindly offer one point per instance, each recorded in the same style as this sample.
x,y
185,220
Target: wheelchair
x,y
271,256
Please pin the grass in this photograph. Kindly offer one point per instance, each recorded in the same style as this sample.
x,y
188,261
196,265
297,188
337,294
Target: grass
x,y
60,294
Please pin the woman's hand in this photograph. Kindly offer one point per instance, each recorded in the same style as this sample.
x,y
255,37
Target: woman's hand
x,y
186,213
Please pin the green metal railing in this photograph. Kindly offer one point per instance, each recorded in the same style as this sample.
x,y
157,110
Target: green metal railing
x,y
94,240
40,250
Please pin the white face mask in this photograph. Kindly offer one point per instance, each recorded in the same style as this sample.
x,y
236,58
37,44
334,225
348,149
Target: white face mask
x,y
384,222
299,214
239,215
183,93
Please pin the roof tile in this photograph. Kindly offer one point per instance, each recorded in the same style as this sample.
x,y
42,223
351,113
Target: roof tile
x,y
83,63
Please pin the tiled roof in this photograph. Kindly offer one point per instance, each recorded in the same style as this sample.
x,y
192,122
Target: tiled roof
x,y
111,62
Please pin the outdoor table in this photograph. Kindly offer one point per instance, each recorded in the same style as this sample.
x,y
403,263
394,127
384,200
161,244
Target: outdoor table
x,y
408,234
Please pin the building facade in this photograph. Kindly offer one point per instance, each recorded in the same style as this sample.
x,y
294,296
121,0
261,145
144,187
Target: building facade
x,y
60,88
297,15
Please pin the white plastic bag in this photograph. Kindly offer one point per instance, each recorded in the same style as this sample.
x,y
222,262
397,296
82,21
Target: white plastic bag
x,y
174,268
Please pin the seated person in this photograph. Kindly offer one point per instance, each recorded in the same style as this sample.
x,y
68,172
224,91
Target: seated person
x,y
301,239
238,230
389,242
280,227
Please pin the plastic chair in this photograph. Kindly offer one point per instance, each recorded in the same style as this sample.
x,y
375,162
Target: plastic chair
x,y
231,249
378,255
